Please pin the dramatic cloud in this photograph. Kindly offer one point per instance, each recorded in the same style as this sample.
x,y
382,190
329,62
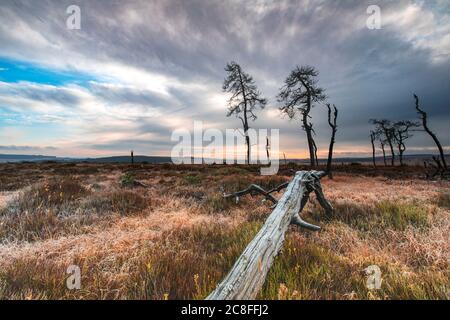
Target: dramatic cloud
x,y
137,70
26,148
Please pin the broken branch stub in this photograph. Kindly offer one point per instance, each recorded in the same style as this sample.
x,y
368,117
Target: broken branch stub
x,y
248,274
253,188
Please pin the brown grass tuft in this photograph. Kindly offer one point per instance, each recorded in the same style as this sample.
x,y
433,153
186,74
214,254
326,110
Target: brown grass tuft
x,y
444,200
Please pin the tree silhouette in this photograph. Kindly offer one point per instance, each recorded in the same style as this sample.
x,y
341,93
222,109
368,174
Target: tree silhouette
x,y
373,137
385,127
332,122
245,97
378,134
401,134
298,94
316,159
423,116
383,148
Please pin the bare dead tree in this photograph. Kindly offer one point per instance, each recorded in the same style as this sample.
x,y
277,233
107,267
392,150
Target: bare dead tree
x,y
132,157
316,158
401,134
244,99
373,137
385,127
378,134
332,122
424,117
383,148
299,93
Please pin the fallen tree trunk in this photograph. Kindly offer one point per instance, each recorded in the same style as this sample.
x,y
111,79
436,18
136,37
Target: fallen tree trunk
x,y
248,274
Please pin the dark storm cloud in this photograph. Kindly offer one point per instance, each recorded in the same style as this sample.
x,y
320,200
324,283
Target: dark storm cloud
x,y
42,94
367,73
121,95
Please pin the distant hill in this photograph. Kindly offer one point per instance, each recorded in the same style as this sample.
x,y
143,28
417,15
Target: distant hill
x,y
4,158
407,158
22,158
127,159
410,159
117,159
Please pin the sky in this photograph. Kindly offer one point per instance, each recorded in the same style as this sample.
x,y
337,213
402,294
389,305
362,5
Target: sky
x,y
138,70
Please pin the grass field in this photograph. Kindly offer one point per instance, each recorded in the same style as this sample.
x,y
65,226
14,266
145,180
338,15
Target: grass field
x,y
176,237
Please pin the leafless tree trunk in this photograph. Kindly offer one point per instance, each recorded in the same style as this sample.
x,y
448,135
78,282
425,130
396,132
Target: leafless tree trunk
x,y
372,140
316,158
309,132
247,142
423,117
384,153
333,124
391,146
385,127
401,150
245,120
402,133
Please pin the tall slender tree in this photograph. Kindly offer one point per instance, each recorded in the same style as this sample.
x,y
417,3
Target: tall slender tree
x,y
298,95
373,138
387,129
379,135
316,158
332,122
424,117
402,132
383,148
245,98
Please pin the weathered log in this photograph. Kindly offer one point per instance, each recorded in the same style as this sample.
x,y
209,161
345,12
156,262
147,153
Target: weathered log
x,y
248,274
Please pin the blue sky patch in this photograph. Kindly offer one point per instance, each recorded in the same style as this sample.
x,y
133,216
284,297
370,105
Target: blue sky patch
x,y
16,70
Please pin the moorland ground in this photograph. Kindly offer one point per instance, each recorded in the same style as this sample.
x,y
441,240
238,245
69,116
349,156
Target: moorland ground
x,y
175,237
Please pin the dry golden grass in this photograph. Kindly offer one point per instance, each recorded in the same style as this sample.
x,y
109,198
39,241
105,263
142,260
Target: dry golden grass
x,y
444,199
178,237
